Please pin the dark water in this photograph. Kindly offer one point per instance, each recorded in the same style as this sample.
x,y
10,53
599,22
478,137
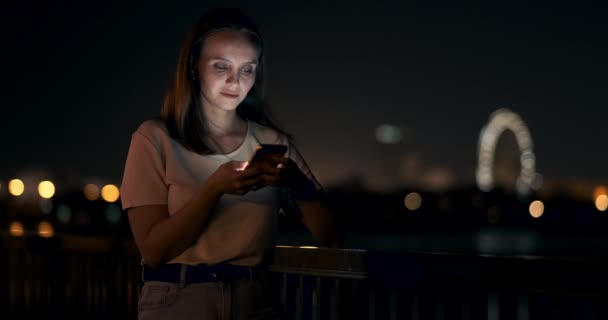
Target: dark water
x,y
486,241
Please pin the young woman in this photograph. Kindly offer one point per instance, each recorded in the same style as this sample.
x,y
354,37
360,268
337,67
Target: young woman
x,y
204,220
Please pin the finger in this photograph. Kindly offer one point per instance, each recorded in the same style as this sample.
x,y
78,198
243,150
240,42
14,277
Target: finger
x,y
249,172
249,183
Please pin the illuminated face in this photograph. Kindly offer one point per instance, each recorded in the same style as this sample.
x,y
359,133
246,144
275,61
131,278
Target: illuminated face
x,y
226,69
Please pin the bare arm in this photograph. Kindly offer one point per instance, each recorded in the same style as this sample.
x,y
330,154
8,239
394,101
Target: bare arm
x,y
161,237
321,223
282,171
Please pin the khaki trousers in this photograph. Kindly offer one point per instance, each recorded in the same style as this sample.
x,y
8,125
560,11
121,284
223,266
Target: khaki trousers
x,y
256,298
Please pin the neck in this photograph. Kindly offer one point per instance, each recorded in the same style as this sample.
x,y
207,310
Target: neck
x,y
222,122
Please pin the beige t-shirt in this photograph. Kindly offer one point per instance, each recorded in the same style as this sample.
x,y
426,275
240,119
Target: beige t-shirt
x,y
241,229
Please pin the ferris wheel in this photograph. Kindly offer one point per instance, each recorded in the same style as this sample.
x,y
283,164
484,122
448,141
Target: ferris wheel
x,y
500,121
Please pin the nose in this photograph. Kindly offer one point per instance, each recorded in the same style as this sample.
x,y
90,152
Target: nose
x,y
233,78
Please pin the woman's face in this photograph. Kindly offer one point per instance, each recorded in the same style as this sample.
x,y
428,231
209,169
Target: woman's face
x,y
226,69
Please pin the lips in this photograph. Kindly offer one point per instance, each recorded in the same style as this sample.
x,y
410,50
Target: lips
x,y
229,95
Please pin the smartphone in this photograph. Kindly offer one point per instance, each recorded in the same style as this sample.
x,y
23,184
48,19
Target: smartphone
x,y
264,151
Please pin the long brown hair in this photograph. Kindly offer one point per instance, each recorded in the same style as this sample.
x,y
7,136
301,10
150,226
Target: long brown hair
x,y
181,110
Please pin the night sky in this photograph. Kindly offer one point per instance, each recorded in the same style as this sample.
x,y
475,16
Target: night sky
x,y
78,78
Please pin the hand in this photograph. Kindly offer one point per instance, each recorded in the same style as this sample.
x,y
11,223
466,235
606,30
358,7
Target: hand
x,y
280,171
230,178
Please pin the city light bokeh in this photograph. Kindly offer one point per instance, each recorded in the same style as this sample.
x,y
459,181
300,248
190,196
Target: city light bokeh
x,y
64,214
500,121
46,189
16,229
113,213
16,187
388,134
537,209
46,205
91,192
599,190
45,229
413,201
601,202
110,193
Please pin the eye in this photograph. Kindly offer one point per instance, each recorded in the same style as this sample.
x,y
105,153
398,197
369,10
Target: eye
x,y
220,66
248,70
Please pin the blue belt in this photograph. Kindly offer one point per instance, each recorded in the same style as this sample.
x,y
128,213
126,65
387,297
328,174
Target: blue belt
x,y
172,272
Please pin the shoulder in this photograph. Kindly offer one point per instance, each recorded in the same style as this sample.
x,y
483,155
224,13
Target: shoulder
x,y
153,130
267,135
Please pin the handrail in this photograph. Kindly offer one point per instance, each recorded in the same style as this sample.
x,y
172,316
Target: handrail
x,y
324,262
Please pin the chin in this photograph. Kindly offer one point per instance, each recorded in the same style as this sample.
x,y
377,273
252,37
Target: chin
x,y
224,105
228,107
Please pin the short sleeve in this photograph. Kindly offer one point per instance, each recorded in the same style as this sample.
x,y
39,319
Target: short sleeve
x,y
144,181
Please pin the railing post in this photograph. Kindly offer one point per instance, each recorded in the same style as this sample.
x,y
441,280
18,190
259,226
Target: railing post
x,y
316,300
300,297
493,312
522,307
334,302
393,305
372,304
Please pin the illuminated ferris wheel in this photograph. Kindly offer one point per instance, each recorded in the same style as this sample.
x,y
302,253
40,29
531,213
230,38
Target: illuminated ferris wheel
x,y
500,121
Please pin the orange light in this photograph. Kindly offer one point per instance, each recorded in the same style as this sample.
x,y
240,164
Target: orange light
x,y
45,229
16,187
537,208
601,202
110,193
46,189
16,229
413,201
598,191
91,192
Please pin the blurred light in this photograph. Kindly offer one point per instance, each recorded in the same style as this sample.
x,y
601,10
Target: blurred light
x,y
598,191
537,182
308,247
16,187
16,229
601,202
388,134
496,241
64,214
527,159
413,201
537,208
110,193
91,192
45,229
113,213
46,206
46,189
500,121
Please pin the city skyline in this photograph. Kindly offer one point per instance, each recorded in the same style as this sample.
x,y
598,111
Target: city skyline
x,y
437,74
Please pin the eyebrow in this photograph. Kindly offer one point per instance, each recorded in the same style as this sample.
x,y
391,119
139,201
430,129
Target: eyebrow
x,y
224,59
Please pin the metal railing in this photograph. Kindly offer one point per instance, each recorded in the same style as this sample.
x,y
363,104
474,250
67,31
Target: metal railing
x,y
69,276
